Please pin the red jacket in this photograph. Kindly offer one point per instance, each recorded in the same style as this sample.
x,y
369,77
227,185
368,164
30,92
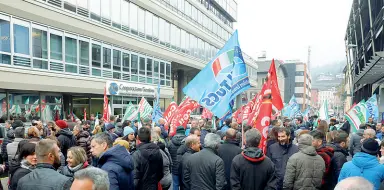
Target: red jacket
x,y
326,153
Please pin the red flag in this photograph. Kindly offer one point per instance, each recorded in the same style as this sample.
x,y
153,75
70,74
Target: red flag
x,y
4,107
169,113
248,108
105,108
256,105
275,92
263,118
57,115
206,114
182,115
85,114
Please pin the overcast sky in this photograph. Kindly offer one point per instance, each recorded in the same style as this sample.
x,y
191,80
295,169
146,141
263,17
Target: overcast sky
x,y
285,29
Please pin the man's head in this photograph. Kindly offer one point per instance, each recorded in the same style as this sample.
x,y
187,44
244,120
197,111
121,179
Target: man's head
x,y
235,126
370,146
195,131
354,183
318,137
62,124
8,124
230,134
110,128
92,117
252,138
112,119
19,132
100,143
193,142
136,123
212,141
299,121
287,122
341,138
378,127
47,152
157,130
275,123
202,123
90,178
228,121
283,135
161,121
144,134
370,120
194,123
369,133
305,140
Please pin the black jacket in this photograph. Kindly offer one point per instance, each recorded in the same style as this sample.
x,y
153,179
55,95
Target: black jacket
x,y
182,164
9,139
66,139
204,170
44,177
252,170
148,170
227,152
83,139
175,143
339,158
279,154
16,172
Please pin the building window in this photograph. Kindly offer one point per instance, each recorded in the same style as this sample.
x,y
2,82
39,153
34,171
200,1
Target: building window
x,y
168,74
156,72
106,58
5,42
133,18
96,56
134,67
84,53
116,64
39,49
167,33
299,84
298,95
141,22
142,69
162,31
162,73
148,25
116,16
125,15
70,50
105,9
155,29
126,62
56,47
21,39
149,71
299,73
95,8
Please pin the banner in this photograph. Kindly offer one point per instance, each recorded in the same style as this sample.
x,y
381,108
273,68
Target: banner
x,y
144,108
263,118
221,80
357,115
323,111
277,102
248,108
182,115
169,113
372,108
256,106
105,107
130,113
206,114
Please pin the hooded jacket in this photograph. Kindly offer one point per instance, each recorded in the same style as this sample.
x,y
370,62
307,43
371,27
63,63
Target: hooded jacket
x,y
326,153
279,154
84,141
167,163
366,166
355,142
6,141
175,143
339,158
12,148
148,170
17,170
227,152
252,170
119,165
304,170
66,139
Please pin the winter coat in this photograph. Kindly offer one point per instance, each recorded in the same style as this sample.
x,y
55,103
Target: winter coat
x,y
182,164
118,163
304,170
167,164
252,170
203,133
355,142
148,166
12,148
204,170
175,143
326,153
279,154
9,139
44,177
84,141
71,172
66,139
339,158
17,170
366,166
227,152
164,133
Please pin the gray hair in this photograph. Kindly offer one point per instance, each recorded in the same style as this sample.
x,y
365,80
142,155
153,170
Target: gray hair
x,y
252,138
190,140
155,138
103,138
370,132
212,140
354,183
98,176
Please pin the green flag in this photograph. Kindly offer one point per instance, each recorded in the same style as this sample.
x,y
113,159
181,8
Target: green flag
x,y
130,112
145,108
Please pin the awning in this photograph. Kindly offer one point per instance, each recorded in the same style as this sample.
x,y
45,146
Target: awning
x,y
373,70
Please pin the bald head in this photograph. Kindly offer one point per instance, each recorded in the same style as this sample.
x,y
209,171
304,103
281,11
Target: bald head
x,y
230,134
354,183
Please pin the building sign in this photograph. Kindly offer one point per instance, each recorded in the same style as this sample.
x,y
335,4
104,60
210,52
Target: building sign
x,y
129,89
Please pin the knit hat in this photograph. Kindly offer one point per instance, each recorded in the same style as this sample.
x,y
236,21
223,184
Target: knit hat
x,y
17,123
62,124
127,131
122,143
109,126
180,130
370,146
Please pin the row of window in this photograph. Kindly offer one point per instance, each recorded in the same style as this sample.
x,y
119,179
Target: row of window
x,y
45,48
131,18
230,6
193,14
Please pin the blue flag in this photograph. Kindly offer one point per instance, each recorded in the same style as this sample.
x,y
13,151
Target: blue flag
x,y
157,114
224,77
372,108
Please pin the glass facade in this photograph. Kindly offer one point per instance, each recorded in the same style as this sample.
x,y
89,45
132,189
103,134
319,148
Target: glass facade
x,y
134,20
74,54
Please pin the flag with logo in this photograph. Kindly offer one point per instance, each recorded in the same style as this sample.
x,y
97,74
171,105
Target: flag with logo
x,y
293,108
323,111
248,108
105,107
256,106
144,108
130,112
223,78
357,115
169,113
277,102
306,114
372,108
263,117
182,114
157,114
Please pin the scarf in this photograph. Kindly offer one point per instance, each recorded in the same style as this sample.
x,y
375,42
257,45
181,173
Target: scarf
x,y
78,167
26,165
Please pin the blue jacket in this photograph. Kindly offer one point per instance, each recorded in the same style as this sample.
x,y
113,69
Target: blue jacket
x,y
224,129
164,133
119,165
366,166
379,135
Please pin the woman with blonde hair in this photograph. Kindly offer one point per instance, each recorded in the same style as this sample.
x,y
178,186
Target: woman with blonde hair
x,y
97,130
33,133
76,159
323,127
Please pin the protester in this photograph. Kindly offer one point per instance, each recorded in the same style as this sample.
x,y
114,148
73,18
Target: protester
x,y
227,152
148,162
83,139
365,164
47,153
355,142
379,134
52,128
22,165
77,160
174,145
370,133
164,133
97,130
129,136
370,121
110,128
305,168
119,128
10,136
33,133
252,169
280,152
354,183
65,137
70,122
61,155
192,142
116,161
91,179
204,169
166,181
272,136
226,126
340,146
121,142
12,147
158,131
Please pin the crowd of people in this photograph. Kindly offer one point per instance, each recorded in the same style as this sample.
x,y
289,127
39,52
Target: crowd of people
x,y
86,155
